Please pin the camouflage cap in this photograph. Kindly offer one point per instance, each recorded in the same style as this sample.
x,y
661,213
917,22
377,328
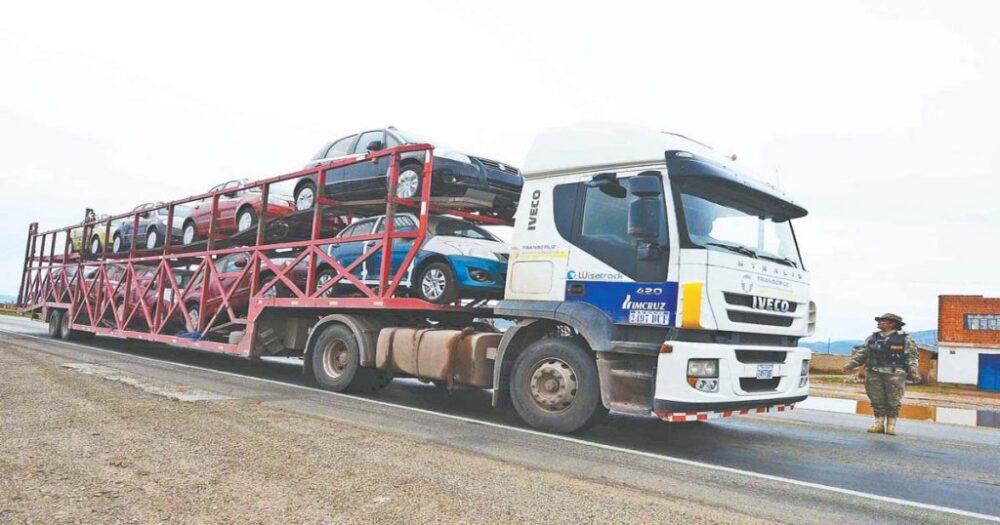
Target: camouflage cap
x,y
891,317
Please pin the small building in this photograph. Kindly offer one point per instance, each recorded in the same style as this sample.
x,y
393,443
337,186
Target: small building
x,y
969,341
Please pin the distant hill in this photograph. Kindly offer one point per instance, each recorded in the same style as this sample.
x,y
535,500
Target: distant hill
x,y
845,346
7,298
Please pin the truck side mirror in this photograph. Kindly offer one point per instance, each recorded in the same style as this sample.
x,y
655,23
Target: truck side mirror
x,y
644,218
643,185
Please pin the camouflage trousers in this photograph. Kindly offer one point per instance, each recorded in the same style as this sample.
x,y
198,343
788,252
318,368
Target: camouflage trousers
x,y
885,390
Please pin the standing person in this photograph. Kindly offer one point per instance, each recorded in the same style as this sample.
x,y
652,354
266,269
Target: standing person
x,y
890,357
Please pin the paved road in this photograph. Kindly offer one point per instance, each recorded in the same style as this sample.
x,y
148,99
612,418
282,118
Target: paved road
x,y
802,467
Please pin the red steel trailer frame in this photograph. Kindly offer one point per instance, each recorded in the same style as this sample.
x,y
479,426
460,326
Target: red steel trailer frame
x,y
79,285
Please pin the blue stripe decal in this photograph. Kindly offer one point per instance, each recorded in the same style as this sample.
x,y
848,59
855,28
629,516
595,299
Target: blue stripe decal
x,y
648,304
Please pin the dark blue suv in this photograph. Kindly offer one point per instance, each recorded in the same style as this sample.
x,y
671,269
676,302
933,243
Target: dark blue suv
x,y
455,174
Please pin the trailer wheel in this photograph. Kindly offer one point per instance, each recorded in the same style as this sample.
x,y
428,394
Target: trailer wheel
x,y
246,219
555,386
336,358
436,284
66,331
305,196
55,324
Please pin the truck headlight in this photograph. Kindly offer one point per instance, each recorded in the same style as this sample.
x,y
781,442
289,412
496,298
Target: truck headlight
x,y
703,368
804,373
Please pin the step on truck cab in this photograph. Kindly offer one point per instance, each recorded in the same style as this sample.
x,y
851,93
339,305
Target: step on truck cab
x,y
653,256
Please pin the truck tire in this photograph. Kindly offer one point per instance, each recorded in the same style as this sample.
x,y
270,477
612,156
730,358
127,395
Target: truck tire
x,y
55,324
555,386
336,359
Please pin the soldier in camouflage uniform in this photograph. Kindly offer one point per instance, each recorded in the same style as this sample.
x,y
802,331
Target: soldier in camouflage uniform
x,y
890,357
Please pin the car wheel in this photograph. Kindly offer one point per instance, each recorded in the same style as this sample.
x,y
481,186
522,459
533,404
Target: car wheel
x,y
408,183
193,317
246,219
555,387
116,244
305,196
152,239
325,276
188,235
436,284
55,324
95,245
278,290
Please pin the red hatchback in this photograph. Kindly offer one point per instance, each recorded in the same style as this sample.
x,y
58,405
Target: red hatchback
x,y
239,209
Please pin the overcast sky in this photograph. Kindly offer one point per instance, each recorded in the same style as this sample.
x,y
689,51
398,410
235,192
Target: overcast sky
x,y
880,117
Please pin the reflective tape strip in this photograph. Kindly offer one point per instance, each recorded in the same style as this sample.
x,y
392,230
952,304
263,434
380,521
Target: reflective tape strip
x,y
683,417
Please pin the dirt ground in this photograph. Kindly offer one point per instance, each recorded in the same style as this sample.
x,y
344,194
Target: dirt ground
x,y
76,448
845,387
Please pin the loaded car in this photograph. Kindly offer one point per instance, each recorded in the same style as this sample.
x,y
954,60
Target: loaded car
x,y
239,209
457,260
455,174
97,234
152,228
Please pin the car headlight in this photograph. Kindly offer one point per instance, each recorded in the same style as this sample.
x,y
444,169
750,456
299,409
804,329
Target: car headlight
x,y
703,368
452,155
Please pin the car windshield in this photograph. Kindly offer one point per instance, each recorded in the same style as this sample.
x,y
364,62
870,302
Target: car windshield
x,y
457,228
721,220
410,138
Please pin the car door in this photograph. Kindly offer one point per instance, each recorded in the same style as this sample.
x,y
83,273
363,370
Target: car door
x,y
227,206
366,179
348,252
336,177
400,247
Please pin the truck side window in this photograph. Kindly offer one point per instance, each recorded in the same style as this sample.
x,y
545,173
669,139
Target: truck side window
x,y
601,229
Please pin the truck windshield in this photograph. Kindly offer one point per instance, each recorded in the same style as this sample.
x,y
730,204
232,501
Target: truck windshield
x,y
721,220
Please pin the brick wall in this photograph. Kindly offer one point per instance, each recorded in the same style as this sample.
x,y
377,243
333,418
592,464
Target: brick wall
x,y
951,319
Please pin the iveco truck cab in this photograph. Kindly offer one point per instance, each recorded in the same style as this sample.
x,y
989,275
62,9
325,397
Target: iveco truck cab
x,y
680,275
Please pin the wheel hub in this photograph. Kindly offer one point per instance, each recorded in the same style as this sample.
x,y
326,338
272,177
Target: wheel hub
x,y
434,283
305,200
553,385
406,185
336,359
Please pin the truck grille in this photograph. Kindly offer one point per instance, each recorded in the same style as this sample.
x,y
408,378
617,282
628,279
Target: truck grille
x,y
760,356
747,300
750,384
765,319
494,165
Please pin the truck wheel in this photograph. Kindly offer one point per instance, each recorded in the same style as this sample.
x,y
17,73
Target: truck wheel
x,y
436,284
336,361
408,183
305,196
555,386
55,324
246,219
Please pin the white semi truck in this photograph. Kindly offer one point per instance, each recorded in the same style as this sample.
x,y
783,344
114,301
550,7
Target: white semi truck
x,y
645,275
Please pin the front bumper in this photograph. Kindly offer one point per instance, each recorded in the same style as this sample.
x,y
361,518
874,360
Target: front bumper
x,y
739,390
465,267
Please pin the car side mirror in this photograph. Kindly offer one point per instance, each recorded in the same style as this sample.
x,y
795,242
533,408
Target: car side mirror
x,y
644,218
375,145
241,262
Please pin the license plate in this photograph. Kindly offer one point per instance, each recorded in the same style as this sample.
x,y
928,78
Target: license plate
x,y
648,317
765,371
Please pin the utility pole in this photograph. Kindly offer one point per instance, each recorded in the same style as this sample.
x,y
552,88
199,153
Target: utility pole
x,y
828,344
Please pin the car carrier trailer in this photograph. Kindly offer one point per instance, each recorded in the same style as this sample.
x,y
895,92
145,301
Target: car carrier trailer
x,y
646,275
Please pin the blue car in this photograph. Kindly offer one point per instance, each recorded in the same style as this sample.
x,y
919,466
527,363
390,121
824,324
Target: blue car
x,y
457,260
455,174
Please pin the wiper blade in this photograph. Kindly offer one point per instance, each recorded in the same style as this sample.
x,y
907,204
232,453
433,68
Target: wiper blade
x,y
778,258
735,248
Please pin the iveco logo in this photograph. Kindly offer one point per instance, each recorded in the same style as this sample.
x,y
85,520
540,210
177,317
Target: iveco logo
x,y
536,196
771,304
746,283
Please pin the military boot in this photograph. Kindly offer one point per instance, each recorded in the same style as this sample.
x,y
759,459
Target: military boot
x,y
890,426
878,427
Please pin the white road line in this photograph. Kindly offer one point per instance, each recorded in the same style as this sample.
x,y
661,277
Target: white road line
x,y
568,439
